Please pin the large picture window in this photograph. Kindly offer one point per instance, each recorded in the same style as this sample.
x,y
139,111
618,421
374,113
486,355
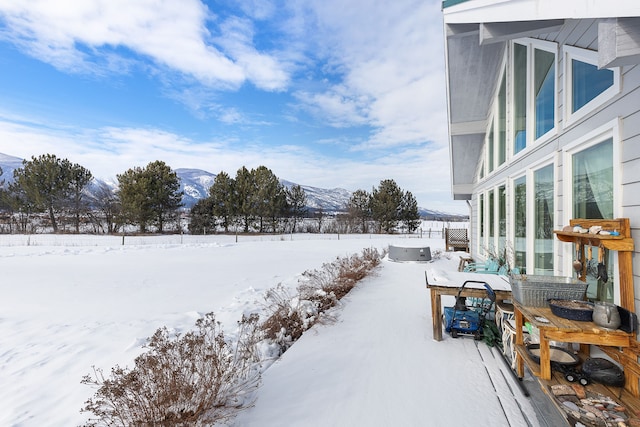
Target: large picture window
x,y
593,198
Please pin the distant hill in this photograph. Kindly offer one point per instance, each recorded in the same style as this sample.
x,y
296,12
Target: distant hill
x,y
195,184
8,165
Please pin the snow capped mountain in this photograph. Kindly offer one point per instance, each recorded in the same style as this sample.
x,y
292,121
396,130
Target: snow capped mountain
x,y
329,200
195,184
8,164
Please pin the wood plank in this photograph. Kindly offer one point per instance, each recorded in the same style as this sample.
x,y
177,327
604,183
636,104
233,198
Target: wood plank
x,y
589,338
508,394
622,396
534,367
627,292
629,361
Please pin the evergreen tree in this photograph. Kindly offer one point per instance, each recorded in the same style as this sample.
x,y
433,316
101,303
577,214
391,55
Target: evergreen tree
x,y
150,196
223,203
133,200
270,197
48,184
409,213
359,208
386,203
297,202
165,197
17,202
80,179
202,218
244,196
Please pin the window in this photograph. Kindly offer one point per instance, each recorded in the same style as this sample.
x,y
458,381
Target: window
x,y
496,133
534,91
481,217
491,148
543,220
593,197
587,87
593,181
544,90
502,121
519,97
587,83
520,223
492,227
502,218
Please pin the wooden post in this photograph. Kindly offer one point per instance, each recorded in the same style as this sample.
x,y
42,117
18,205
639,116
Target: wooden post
x,y
436,314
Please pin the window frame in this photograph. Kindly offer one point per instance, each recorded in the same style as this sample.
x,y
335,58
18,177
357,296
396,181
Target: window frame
x,y
492,132
531,221
530,126
511,231
610,130
529,180
570,53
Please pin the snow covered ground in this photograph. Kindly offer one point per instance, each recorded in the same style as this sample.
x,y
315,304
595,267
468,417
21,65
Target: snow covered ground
x,y
93,301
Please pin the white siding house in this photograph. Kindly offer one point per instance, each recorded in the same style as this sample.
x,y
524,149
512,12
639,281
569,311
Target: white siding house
x,y
544,125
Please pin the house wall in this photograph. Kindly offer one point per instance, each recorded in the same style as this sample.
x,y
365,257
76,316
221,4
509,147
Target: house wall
x,y
625,107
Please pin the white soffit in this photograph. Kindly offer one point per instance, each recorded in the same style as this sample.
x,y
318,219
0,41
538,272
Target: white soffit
x,y
534,10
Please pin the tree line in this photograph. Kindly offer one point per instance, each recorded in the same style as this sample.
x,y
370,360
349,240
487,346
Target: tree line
x,y
150,200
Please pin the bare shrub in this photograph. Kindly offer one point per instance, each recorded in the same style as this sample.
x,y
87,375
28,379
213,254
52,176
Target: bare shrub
x,y
194,379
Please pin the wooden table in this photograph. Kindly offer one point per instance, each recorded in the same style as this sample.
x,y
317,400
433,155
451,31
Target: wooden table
x,y
556,328
449,282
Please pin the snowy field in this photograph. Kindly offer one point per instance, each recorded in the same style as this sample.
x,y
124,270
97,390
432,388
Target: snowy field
x,y
66,307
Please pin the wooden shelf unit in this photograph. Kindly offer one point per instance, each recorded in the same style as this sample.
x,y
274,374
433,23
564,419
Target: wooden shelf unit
x,y
623,244
621,347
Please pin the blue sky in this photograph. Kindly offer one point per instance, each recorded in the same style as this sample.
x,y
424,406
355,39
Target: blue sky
x,y
327,93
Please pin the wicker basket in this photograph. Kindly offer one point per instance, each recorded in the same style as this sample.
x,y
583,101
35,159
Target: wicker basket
x,y
534,291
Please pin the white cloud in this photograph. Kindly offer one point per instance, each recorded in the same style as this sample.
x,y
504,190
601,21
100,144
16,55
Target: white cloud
x,y
84,36
391,63
264,70
337,107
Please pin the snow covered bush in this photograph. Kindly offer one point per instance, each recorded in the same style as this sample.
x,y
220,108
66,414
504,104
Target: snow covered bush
x,y
194,379
334,280
289,316
439,254
284,324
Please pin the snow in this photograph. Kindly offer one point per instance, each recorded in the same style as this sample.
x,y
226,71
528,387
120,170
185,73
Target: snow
x,y
69,303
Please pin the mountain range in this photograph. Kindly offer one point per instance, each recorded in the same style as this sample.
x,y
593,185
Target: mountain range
x,y
195,184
